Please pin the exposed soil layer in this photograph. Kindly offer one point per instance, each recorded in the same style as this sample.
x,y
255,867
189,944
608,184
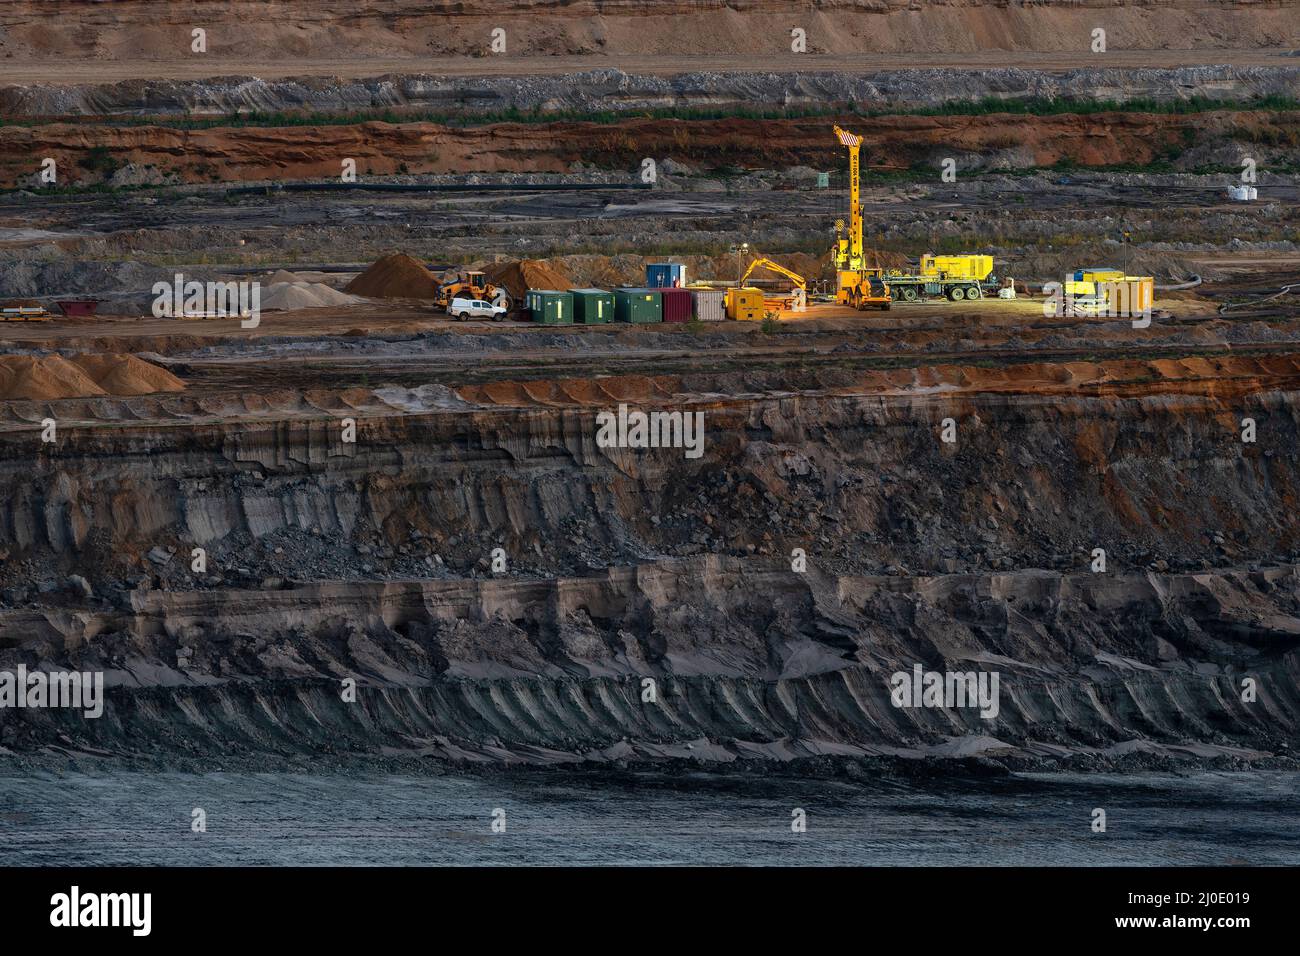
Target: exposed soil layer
x,y
296,152
154,30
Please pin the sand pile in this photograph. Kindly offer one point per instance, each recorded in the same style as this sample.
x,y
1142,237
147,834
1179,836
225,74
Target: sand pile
x,y
127,375
292,296
395,276
25,376
53,377
520,276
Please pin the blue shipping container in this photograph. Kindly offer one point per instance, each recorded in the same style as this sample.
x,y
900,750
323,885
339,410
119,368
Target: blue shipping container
x,y
660,275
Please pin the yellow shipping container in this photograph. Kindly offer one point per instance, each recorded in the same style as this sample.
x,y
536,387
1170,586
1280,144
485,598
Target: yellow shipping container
x,y
1111,292
745,305
1136,294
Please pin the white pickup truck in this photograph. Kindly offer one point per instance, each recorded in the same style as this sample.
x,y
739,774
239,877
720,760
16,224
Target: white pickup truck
x,y
474,309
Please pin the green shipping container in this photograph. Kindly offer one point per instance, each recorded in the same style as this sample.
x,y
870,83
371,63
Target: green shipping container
x,y
550,308
638,305
593,306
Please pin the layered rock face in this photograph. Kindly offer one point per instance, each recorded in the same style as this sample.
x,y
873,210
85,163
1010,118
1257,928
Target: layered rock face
x,y
608,89
379,148
378,561
1143,458
710,658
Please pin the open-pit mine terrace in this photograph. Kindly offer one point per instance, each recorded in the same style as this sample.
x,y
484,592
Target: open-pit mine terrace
x,y
329,559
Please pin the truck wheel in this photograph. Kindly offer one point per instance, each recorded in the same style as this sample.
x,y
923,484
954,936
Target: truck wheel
x,y
462,316
973,292
956,293
909,294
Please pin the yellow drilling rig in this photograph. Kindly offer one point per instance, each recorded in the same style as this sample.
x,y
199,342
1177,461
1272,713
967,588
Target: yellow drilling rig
x,y
855,284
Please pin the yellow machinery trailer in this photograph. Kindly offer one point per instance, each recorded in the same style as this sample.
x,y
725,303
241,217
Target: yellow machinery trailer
x,y
745,304
860,286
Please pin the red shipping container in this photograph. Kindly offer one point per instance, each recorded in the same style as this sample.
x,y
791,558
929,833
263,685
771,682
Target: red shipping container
x,y
677,304
78,306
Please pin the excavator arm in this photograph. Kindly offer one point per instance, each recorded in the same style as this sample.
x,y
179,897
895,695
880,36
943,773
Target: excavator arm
x,y
799,281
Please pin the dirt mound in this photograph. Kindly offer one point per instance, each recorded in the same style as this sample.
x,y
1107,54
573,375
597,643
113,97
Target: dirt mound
x,y
292,296
395,276
127,375
28,377
520,276
53,377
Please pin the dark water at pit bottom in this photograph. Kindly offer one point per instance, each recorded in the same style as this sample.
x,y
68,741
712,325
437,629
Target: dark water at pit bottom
x,y
125,818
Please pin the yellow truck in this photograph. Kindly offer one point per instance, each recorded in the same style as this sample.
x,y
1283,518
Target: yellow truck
x,y
954,277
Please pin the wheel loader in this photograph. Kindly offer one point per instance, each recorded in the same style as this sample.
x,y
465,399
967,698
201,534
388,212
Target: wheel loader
x,y
472,285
